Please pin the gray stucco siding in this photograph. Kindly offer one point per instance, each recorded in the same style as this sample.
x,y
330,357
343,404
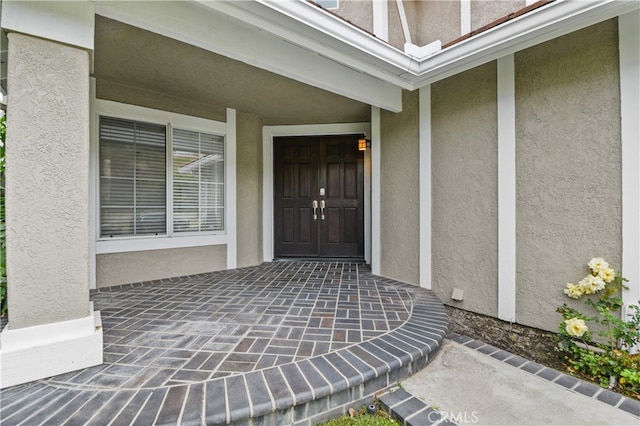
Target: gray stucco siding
x,y
400,203
124,268
47,182
568,166
464,189
249,189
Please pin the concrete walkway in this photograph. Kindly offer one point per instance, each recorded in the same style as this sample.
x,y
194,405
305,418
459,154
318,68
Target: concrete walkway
x,y
469,382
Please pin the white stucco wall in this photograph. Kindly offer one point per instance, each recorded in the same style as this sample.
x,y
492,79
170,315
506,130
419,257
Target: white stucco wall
x,y
47,176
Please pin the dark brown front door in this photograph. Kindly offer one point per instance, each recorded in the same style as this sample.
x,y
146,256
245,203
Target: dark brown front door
x,y
319,196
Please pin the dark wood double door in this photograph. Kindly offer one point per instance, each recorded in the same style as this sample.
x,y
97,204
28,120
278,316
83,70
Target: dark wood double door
x,y
319,196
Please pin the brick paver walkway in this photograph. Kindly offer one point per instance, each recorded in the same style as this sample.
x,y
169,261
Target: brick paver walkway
x,y
220,347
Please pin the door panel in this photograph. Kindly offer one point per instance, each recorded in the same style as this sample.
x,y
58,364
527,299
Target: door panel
x,y
327,169
295,183
342,231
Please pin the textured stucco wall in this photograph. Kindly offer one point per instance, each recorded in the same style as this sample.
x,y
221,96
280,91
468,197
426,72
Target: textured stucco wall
x,y
484,12
125,268
358,12
117,92
47,177
436,20
568,166
399,180
464,188
249,189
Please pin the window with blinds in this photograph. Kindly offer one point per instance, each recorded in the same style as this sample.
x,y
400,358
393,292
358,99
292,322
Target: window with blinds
x,y
134,184
198,181
132,178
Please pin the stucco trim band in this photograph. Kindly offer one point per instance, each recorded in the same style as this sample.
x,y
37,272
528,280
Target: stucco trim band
x,y
381,20
506,189
376,196
33,353
425,187
629,48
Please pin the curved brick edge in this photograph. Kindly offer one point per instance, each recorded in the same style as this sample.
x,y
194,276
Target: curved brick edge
x,y
304,392
322,387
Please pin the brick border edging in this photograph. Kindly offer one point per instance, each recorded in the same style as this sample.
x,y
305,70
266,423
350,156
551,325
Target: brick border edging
x,y
362,369
413,411
324,386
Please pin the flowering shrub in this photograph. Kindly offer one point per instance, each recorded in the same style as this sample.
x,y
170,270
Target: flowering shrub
x,y
609,363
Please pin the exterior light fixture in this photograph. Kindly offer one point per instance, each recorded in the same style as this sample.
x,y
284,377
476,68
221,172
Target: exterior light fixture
x,y
364,144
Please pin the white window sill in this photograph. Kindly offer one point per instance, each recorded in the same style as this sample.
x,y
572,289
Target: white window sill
x,y
159,243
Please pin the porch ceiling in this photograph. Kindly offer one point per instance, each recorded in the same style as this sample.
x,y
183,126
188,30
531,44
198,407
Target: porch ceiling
x,y
141,59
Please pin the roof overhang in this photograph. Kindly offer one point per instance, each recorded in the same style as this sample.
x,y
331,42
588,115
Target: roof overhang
x,y
236,30
299,40
548,22
304,24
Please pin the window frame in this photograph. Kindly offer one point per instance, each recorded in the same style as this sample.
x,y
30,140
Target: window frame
x,y
171,121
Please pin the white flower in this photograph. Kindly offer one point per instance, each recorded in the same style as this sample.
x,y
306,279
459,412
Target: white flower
x,y
585,285
574,291
591,284
598,263
576,327
607,274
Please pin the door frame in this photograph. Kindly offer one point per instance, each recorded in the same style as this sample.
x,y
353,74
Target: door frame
x,y
268,135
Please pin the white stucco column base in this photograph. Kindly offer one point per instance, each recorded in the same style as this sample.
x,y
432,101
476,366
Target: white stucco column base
x,y
33,353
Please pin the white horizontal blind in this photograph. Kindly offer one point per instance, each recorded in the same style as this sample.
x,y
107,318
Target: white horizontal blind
x,y
198,181
132,178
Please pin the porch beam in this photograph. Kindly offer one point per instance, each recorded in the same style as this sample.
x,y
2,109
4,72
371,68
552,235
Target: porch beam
x,y
67,22
209,26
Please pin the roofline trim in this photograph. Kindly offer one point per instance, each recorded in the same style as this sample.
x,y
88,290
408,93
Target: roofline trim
x,y
540,23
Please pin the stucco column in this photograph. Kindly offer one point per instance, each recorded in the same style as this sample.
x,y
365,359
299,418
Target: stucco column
x,y
52,328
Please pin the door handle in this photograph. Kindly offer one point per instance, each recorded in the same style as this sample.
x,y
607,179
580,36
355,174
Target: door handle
x,y
315,209
322,209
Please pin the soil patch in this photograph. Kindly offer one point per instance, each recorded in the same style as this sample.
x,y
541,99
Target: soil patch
x,y
530,343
